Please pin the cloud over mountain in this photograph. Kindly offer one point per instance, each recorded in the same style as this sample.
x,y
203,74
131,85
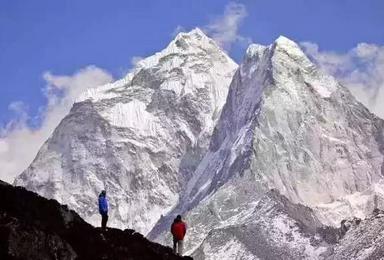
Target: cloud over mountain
x,y
360,69
19,142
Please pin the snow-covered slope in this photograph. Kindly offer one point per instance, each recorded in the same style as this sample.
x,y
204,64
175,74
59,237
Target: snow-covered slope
x,y
295,128
139,138
271,228
288,126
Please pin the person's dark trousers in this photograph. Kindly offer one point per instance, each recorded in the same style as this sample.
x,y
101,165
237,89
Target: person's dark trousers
x,y
174,245
104,220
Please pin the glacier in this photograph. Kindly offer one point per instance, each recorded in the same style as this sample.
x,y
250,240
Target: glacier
x,y
264,159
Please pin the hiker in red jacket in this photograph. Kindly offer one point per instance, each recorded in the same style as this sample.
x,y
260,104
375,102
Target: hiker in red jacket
x,y
178,230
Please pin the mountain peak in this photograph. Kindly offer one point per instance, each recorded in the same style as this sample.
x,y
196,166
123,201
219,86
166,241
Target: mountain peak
x,y
280,49
255,50
156,118
196,32
194,38
282,40
185,43
290,47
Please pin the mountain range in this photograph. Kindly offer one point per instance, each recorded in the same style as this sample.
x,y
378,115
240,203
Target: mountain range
x,y
264,159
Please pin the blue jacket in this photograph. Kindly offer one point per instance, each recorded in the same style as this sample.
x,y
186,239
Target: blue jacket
x,y
103,205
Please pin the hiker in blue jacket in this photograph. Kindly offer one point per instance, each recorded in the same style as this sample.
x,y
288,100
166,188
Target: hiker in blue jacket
x,y
103,209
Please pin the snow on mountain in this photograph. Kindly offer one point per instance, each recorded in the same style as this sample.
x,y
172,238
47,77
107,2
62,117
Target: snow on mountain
x,y
286,125
260,161
139,138
272,228
296,128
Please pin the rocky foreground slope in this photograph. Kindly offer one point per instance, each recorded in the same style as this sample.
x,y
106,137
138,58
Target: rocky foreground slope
x,y
32,227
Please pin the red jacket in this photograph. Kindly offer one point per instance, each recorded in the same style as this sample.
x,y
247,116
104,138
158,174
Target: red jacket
x,y
178,230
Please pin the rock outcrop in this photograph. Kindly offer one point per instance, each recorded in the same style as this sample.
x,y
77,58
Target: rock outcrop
x,y
32,227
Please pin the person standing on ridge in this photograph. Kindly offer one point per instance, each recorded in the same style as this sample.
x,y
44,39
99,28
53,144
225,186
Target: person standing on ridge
x,y
103,209
178,230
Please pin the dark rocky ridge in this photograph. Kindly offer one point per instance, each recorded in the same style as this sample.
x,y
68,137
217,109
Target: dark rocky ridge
x,y
32,227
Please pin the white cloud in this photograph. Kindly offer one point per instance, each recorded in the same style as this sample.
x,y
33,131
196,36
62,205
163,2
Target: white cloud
x,y
19,143
225,29
361,69
20,114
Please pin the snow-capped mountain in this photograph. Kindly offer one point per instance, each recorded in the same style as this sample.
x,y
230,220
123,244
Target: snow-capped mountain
x,y
139,138
263,162
288,126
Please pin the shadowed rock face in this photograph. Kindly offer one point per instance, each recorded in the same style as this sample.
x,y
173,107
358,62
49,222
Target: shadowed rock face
x,y
32,227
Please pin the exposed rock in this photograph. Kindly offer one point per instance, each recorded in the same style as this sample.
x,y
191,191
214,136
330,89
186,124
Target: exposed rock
x,y
32,227
363,239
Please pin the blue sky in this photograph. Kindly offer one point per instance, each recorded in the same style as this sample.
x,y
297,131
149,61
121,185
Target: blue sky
x,y
64,36
50,51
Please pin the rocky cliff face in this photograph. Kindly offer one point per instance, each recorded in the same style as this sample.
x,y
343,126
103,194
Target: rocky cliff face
x,y
32,227
139,138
